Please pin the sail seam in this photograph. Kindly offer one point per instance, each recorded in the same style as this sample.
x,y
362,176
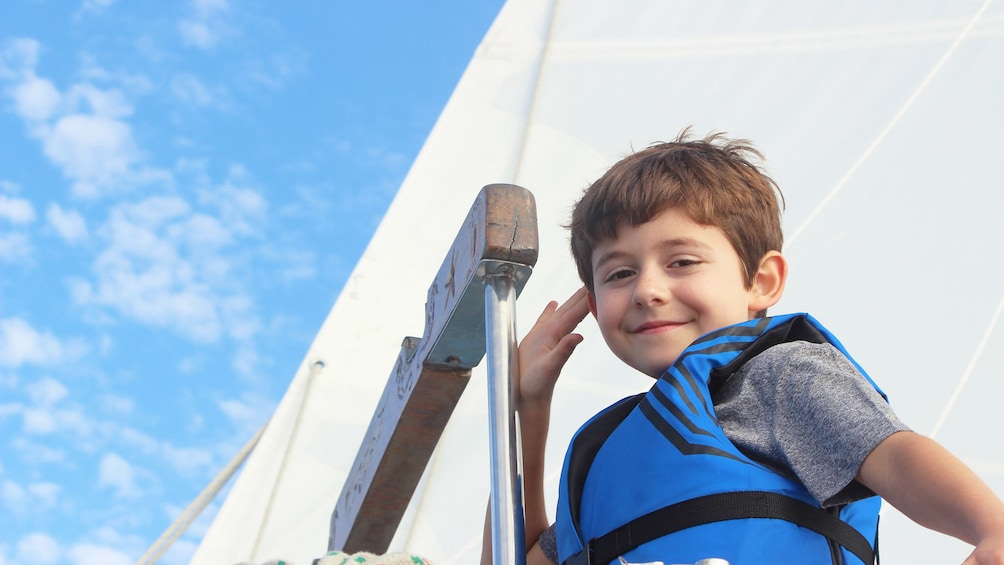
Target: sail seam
x,y
544,50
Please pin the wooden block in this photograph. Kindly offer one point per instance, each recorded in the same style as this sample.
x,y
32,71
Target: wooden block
x,y
432,372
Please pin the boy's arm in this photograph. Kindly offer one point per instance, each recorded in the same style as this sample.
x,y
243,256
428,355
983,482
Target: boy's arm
x,y
935,489
543,352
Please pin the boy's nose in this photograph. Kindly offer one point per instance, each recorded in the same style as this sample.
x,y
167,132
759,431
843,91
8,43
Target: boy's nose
x,y
650,289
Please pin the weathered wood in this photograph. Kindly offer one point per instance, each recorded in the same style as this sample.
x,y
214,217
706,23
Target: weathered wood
x,y
432,372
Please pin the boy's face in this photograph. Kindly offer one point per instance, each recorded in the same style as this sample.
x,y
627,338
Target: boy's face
x,y
660,285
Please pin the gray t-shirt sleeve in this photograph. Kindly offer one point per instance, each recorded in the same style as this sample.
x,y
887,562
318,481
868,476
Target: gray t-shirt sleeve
x,y
548,542
806,411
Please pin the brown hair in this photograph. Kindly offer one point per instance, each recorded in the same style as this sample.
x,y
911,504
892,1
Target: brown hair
x,y
714,180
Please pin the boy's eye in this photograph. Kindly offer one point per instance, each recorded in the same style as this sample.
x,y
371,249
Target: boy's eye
x,y
619,274
684,263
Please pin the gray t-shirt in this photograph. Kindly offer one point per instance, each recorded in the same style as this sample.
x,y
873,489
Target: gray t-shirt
x,y
804,410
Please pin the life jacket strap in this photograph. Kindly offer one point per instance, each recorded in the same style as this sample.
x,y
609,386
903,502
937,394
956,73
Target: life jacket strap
x,y
717,508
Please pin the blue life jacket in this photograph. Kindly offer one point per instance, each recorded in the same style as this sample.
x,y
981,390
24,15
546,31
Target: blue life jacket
x,y
654,478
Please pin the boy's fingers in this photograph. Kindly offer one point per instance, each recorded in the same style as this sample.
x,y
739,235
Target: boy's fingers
x,y
558,356
577,301
574,310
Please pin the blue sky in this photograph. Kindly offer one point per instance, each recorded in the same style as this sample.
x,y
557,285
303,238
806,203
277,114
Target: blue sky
x,y
184,189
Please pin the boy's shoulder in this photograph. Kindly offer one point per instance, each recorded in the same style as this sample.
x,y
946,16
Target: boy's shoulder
x,y
792,364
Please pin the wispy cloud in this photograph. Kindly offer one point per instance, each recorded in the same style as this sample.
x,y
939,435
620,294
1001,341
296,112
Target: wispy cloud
x,y
21,344
275,71
95,5
46,416
28,499
206,25
118,474
16,210
165,263
93,554
15,247
38,548
15,215
191,461
83,130
69,225
192,91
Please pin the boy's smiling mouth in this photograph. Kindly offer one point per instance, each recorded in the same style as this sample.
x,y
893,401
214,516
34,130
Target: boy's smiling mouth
x,y
656,326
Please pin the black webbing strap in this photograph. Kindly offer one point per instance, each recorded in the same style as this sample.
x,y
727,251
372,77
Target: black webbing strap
x,y
718,508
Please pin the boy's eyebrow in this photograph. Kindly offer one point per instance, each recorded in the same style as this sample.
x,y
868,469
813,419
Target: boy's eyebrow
x,y
669,243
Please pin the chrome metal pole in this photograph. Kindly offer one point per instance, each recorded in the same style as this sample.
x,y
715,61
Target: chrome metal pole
x,y
508,526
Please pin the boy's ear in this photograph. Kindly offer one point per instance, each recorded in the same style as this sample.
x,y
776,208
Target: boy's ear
x,y
768,282
591,298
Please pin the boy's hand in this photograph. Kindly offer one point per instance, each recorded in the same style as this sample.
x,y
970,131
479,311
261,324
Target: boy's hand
x,y
548,345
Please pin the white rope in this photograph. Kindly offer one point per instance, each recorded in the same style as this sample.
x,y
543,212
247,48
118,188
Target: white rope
x,y
892,123
363,558
181,523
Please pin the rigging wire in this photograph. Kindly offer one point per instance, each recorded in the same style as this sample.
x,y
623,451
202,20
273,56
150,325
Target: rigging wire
x,y
315,368
195,508
889,126
973,361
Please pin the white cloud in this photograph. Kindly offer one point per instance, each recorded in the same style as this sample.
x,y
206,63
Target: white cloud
x,y
46,392
68,224
109,103
82,131
21,344
19,56
115,472
93,5
247,414
246,361
30,500
138,439
45,416
16,210
37,548
143,275
242,209
276,70
167,265
186,460
181,552
118,404
189,460
15,247
34,452
44,420
197,34
97,152
206,28
207,8
14,497
46,494
187,88
35,99
93,554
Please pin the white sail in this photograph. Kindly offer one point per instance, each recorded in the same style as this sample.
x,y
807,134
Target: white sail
x,y
881,121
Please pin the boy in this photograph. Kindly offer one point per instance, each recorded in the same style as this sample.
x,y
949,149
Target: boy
x,y
761,441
